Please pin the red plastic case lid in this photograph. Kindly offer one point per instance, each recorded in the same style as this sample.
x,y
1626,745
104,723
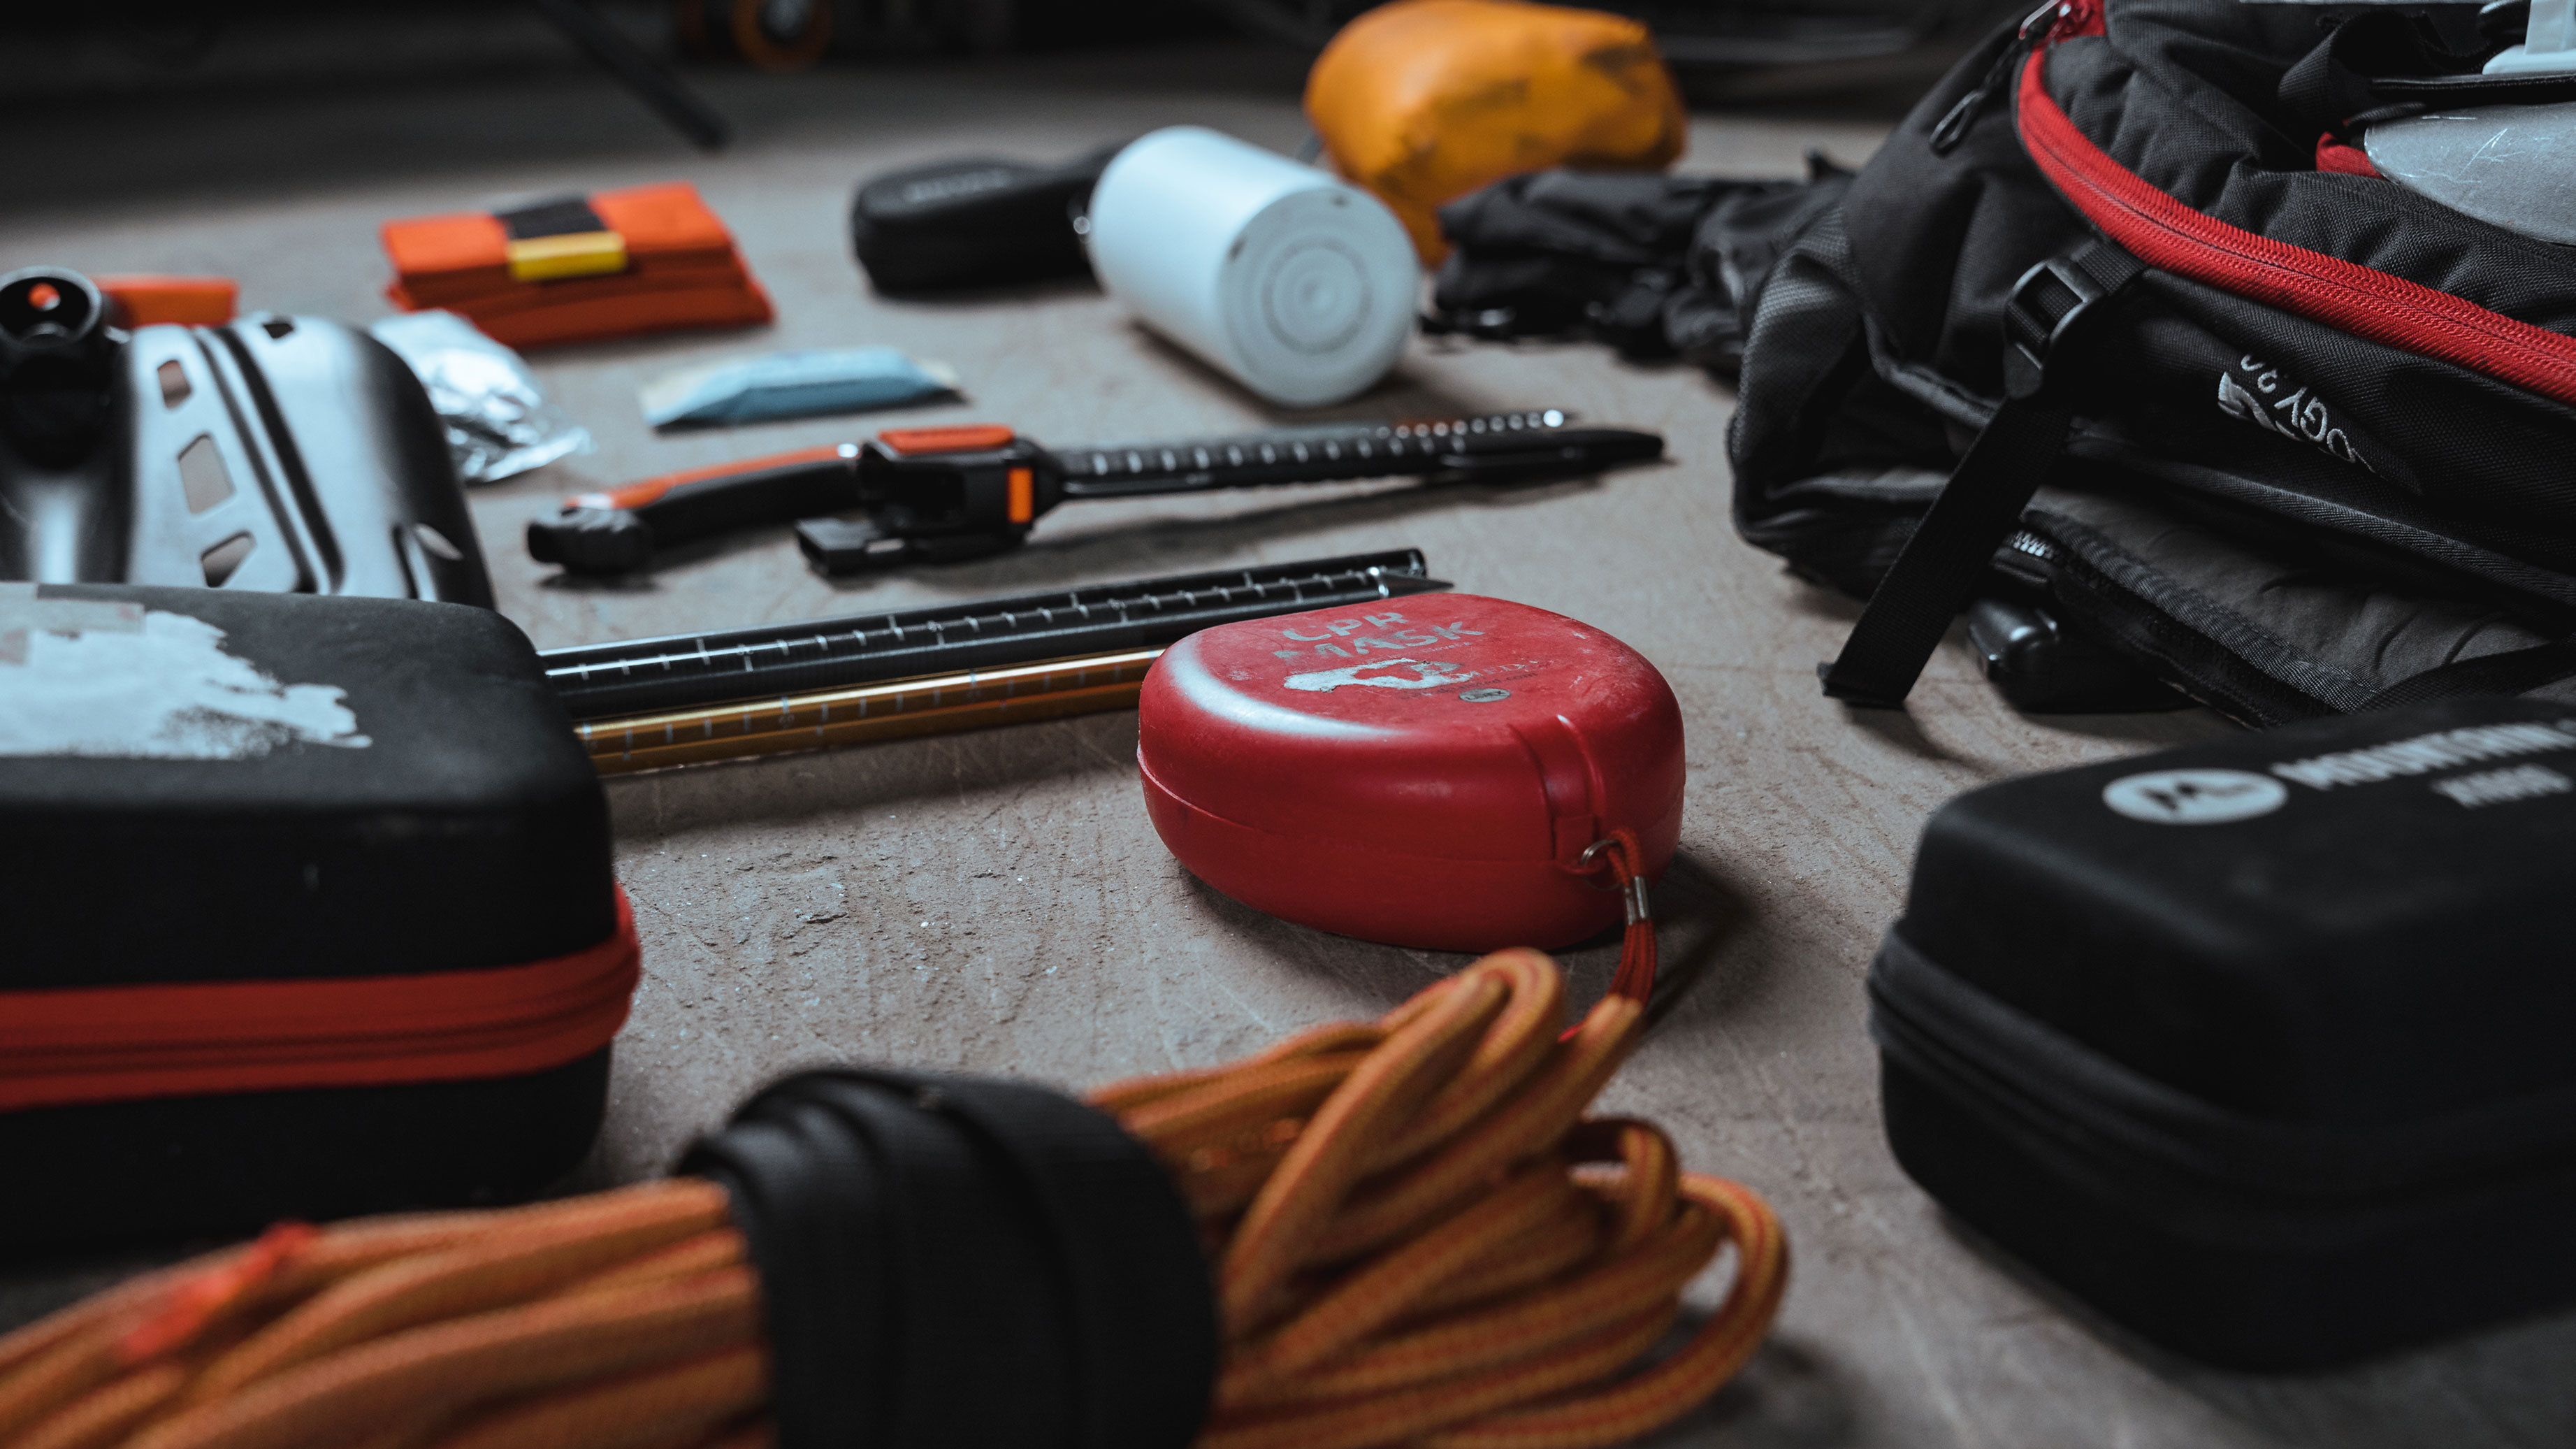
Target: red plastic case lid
x,y
1422,772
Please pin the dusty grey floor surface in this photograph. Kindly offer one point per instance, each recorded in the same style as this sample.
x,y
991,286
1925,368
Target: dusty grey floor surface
x,y
997,902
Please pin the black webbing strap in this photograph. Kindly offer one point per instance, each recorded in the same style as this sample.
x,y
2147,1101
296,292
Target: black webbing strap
x,y
1940,567
564,216
953,1261
2512,672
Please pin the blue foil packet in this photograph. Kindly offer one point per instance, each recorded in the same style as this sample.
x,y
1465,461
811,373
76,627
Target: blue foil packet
x,y
793,385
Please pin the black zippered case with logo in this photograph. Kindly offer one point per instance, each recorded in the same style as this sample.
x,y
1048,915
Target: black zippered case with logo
x,y
2266,1047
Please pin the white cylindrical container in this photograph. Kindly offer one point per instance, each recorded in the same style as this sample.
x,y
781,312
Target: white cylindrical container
x,y
1301,287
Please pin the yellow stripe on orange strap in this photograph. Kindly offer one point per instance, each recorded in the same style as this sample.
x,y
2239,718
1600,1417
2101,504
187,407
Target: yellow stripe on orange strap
x,y
573,254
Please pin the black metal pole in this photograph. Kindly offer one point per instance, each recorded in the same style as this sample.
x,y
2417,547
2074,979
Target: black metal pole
x,y
650,80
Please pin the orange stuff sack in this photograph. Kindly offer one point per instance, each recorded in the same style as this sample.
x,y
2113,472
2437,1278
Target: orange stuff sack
x,y
1423,101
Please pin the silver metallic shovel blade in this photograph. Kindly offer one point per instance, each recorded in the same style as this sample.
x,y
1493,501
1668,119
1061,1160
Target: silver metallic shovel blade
x,y
2514,166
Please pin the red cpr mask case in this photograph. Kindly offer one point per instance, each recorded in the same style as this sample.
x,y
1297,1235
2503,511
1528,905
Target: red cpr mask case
x,y
1425,772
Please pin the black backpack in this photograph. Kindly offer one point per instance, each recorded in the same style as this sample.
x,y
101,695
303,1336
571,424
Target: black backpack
x,y
2120,344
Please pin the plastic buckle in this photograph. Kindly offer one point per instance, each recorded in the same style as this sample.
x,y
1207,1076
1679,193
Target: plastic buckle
x,y
2049,299
839,546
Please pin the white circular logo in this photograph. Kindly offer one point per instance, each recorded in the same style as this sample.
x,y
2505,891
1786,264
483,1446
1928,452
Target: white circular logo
x,y
2195,797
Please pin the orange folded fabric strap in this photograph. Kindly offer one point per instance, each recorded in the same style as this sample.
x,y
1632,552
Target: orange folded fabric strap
x,y
669,223
611,264
123,1043
524,320
143,301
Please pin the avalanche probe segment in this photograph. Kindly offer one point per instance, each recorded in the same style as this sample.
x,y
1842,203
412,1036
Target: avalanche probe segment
x,y
932,495
687,698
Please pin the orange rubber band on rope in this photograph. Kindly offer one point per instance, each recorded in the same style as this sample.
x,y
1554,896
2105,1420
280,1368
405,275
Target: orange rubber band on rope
x,y
196,1303
1418,1239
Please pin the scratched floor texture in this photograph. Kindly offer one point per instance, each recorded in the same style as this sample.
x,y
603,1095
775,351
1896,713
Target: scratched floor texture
x,y
998,903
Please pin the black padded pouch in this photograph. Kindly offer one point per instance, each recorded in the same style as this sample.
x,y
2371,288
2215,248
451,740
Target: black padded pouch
x,y
2259,1046
974,222
309,912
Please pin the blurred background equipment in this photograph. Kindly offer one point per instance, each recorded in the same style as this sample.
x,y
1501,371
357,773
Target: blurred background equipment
x,y
1725,47
775,35
1717,49
147,48
1425,100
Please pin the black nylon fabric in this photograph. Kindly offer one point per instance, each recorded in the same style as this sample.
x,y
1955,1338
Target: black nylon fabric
x,y
1653,265
1832,461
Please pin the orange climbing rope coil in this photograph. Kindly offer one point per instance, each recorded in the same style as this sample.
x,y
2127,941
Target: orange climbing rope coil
x,y
1417,1237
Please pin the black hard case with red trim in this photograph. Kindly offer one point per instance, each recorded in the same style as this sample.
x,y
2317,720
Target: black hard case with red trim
x,y
2279,517
2273,1073
469,833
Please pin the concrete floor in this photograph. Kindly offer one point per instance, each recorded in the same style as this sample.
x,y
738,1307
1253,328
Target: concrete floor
x,y
998,903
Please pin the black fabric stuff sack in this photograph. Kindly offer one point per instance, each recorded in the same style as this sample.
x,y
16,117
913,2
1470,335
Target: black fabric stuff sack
x,y
310,912
2258,1046
1655,266
2310,430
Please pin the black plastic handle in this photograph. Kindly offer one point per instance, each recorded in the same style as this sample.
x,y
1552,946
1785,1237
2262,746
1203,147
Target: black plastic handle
x,y
618,531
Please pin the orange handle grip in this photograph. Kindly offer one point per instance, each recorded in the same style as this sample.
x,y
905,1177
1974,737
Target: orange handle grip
x,y
653,490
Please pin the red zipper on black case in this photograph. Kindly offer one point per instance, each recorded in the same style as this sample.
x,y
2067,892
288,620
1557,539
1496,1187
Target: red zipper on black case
x,y
186,1039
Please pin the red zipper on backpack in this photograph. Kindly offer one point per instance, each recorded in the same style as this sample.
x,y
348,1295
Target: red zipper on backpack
x,y
2172,237
190,1039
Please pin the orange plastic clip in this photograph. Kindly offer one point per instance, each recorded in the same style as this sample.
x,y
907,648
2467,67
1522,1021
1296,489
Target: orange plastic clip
x,y
964,438
142,301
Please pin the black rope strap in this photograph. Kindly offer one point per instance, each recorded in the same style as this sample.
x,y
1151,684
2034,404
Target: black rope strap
x,y
950,1260
1938,570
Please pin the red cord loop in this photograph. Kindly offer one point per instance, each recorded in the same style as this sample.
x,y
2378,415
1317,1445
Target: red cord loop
x,y
1626,860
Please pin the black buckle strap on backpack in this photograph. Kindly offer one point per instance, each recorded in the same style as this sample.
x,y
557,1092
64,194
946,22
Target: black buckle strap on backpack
x,y
1938,571
2515,671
